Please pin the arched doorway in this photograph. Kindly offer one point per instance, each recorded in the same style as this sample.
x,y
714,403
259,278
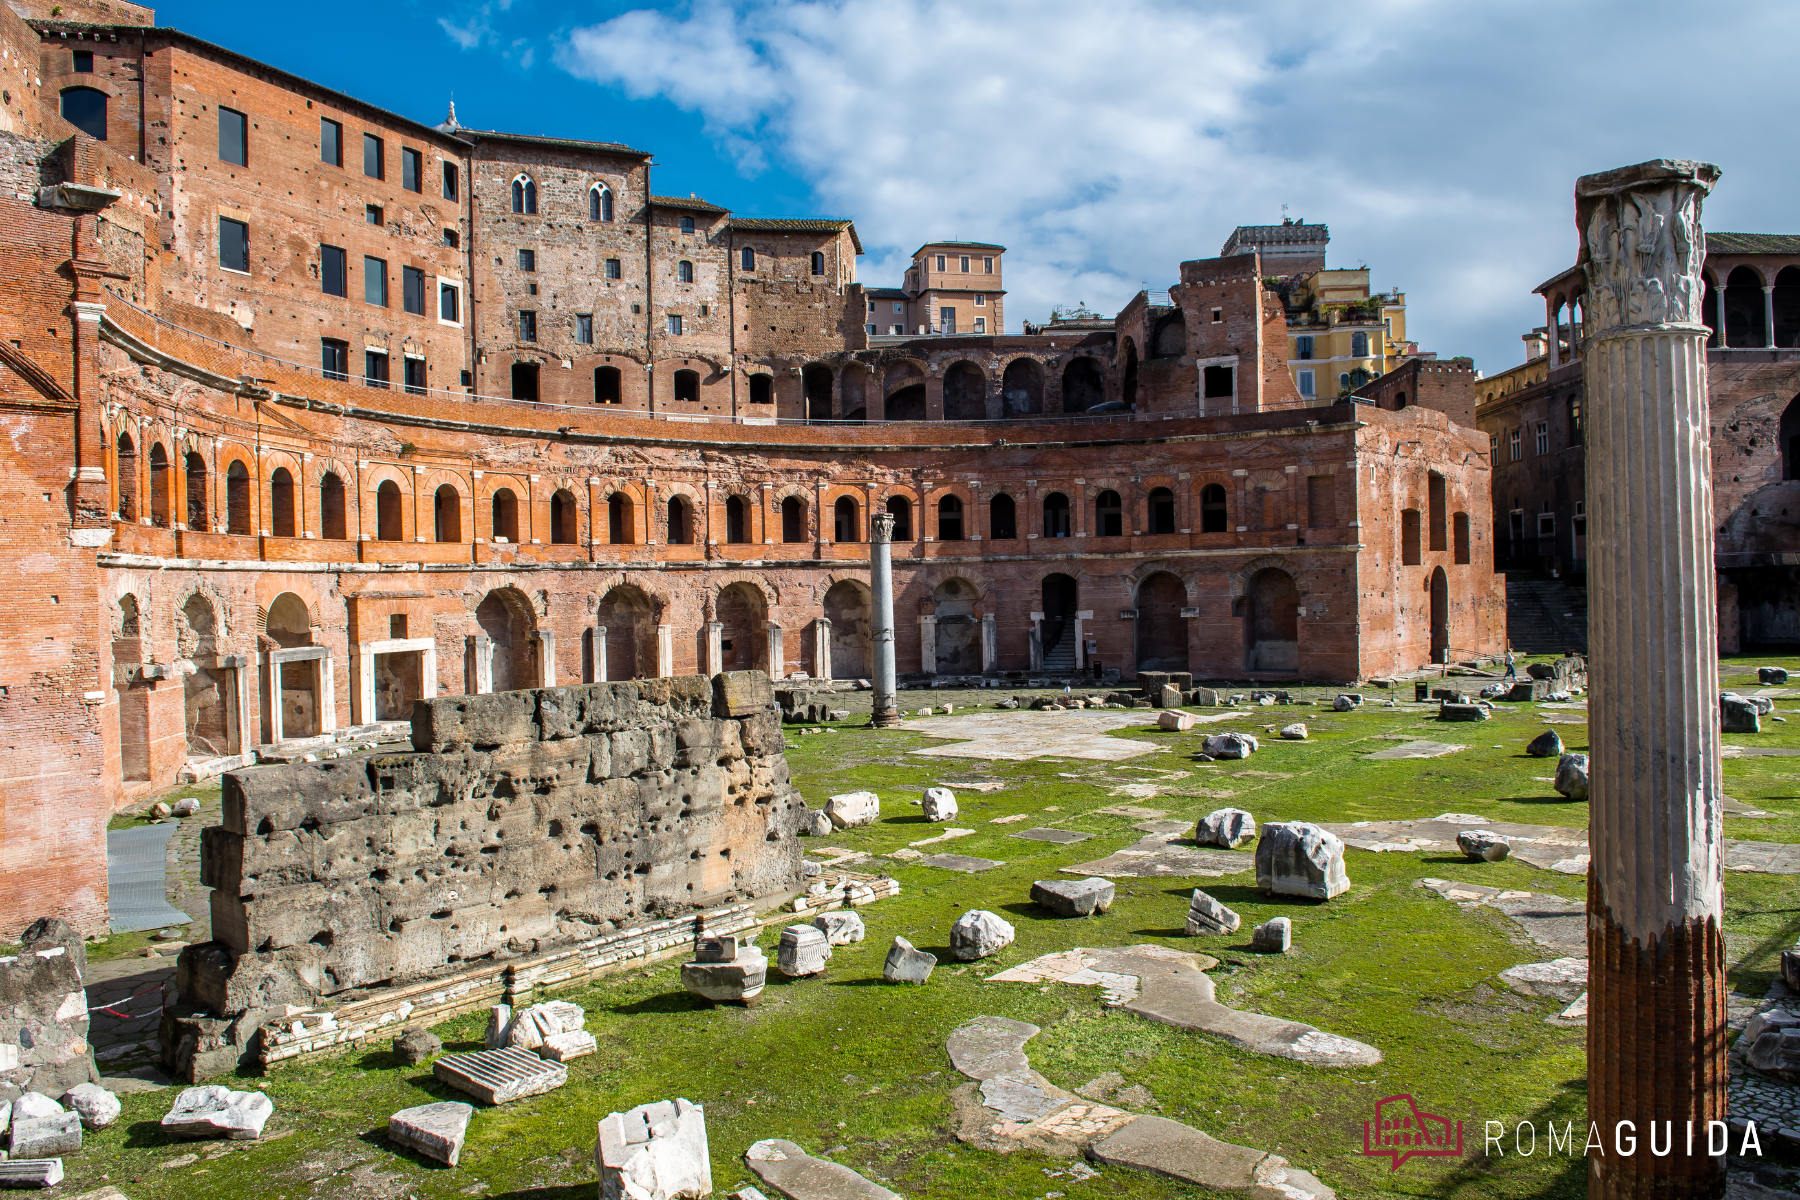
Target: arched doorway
x,y
1023,388
965,393
1744,309
630,620
333,522
127,459
387,512
1162,643
237,499
204,694
505,516
1082,386
288,624
196,493
505,616
159,486
446,514
1061,597
815,380
743,615
1271,615
1170,338
847,608
281,503
907,404
564,523
958,628
1440,615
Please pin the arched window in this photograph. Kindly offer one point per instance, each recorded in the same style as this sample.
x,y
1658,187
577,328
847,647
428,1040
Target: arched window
x,y
747,259
900,508
737,520
196,492
618,519
387,512
85,109
1003,518
1109,515
687,224
608,385
1162,511
600,203
1056,515
333,523
237,499
793,519
818,263
684,271
127,478
446,514
524,195
563,523
846,526
681,522
281,503
1214,517
1359,345
506,516
1359,377
687,386
950,519
1399,400
159,486
762,389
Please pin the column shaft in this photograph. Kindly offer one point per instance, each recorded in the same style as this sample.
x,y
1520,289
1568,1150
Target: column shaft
x,y
886,709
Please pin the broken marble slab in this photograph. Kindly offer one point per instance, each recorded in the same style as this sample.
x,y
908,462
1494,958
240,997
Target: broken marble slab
x,y
1564,979
797,1175
434,1130
1552,922
656,1151
215,1111
1161,854
499,1076
946,836
31,1173
1417,748
1062,837
961,862
1559,848
1169,1148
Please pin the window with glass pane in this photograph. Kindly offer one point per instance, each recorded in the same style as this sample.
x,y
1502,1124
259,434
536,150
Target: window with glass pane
x,y
234,137
527,260
412,170
584,328
334,358
234,245
331,271
375,368
412,290
372,156
527,325
612,268
449,302
375,280
415,376
450,181
331,142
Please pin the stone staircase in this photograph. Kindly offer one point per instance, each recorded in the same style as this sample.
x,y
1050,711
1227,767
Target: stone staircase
x,y
1545,616
1060,658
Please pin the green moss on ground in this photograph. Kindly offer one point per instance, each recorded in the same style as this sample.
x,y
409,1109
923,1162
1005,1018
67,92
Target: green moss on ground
x,y
849,1067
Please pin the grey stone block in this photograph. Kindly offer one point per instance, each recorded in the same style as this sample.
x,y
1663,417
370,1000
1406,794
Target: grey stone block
x,y
797,1175
1548,744
215,1111
434,1130
1297,858
1230,745
905,964
96,1106
655,1151
979,934
36,1173
1207,916
841,926
1773,676
46,1137
1227,827
1461,712
1572,776
1738,715
739,980
415,1045
742,693
1074,897
803,951
1273,936
1483,845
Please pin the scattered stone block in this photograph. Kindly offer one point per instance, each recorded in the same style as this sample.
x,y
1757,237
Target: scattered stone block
x,y
840,926
1561,979
819,825
939,804
1273,936
1483,845
1769,1020
1461,712
905,964
1074,897
966,863
1771,675
35,1173
1342,704
1764,704
1062,837
499,1076
851,809
1169,697
1572,776
46,1137
1777,1052
561,1047
1295,732
803,951
1548,744
1010,703
415,1045
530,1027
35,1104
498,1026
434,1130
1790,969
1297,858
1207,915
159,810
1227,827
798,1175
1528,690
654,1152
742,693
725,972
1230,745
1203,697
979,934
96,1106
1176,722
215,1111
1738,715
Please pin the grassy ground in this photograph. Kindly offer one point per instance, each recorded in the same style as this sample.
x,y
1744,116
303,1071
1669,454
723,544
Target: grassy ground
x,y
845,1065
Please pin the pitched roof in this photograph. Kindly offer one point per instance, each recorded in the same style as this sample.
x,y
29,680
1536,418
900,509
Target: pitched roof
x,y
1752,243
692,203
957,245
800,225
498,135
884,293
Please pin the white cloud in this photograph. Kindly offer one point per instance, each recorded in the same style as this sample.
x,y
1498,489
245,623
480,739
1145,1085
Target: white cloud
x,y
1105,144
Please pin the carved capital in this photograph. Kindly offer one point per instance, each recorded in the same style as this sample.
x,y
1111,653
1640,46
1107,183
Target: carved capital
x,y
881,527
1642,246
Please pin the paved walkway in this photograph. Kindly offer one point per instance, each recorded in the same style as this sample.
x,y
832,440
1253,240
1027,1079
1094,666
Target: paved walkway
x,y
1014,736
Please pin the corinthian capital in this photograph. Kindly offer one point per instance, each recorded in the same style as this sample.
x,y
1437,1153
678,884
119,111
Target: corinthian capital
x,y
1641,243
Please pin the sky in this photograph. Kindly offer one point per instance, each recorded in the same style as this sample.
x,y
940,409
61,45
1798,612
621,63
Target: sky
x,y
1103,144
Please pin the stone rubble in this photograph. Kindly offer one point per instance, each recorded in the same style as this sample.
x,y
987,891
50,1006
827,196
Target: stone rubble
x,y
1227,827
1230,745
415,1045
31,1173
655,1151
725,972
797,1175
979,934
434,1130
1295,732
1483,845
1738,715
803,950
46,1136
1771,675
1572,776
1273,936
1207,916
97,1106
841,926
1074,897
1548,744
939,804
1175,721
851,809
905,964
215,1111
1297,858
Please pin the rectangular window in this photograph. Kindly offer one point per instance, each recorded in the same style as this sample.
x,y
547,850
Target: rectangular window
x,y
412,290
871,306
234,137
372,160
527,325
334,358
947,320
1574,420
1306,383
452,239
1217,383
1517,525
415,375
449,303
1518,445
331,271
234,245
940,259
980,324
965,264
584,328
375,280
1493,449
1546,525
375,369
1303,348
1218,316
372,215
899,307
527,260
896,330
612,268
412,170
980,301
1543,437
331,142
450,181
987,266
83,63
1580,519
675,324
869,328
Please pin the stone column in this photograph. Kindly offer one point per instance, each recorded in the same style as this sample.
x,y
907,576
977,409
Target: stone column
x,y
987,643
928,644
1037,641
777,654
1552,347
665,651
600,654
715,647
478,664
546,657
822,647
327,696
1656,957
886,711
1769,315
1081,622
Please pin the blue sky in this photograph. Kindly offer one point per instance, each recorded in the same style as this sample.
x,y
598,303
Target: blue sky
x,y
1104,144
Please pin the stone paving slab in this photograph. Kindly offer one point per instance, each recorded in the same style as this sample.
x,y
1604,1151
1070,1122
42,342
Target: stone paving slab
x,y
797,1175
1021,735
961,862
1551,847
1158,855
1552,922
1062,837
1419,748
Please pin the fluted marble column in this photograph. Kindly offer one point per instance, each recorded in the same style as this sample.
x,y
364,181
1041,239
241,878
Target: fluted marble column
x,y
881,583
1656,961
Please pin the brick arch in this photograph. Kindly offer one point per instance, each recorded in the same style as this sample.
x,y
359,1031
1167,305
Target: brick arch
x,y
660,601
1240,578
934,577
718,583
269,590
1189,576
782,491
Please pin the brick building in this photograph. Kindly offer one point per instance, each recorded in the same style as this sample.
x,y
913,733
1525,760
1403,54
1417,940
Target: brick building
x,y
318,410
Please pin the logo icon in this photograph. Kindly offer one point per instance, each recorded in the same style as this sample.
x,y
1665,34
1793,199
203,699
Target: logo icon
x,y
1400,1131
